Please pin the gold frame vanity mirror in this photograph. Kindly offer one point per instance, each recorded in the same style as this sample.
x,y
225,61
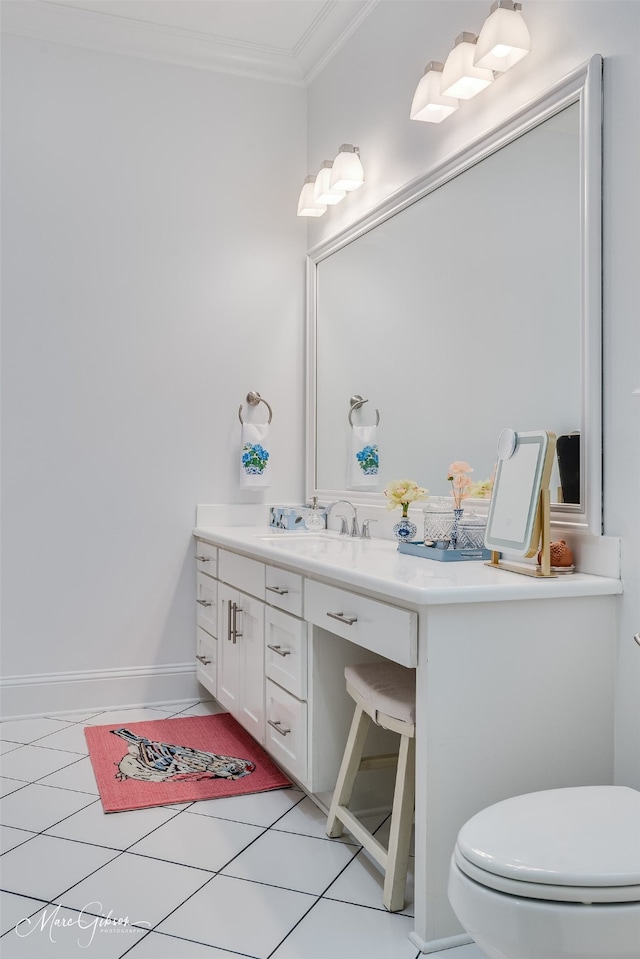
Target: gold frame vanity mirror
x,y
466,299
518,520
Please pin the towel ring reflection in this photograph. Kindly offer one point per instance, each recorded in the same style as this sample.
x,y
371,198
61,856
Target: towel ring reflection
x,y
253,398
356,402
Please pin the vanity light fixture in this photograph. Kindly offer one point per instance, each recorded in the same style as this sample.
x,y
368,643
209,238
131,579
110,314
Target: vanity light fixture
x,y
307,206
460,77
428,103
504,38
322,192
347,173
334,180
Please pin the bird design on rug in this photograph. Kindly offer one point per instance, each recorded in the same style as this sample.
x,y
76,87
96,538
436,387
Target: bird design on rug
x,y
163,762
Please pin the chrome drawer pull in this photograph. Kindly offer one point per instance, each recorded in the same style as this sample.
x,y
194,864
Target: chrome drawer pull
x,y
203,559
347,620
203,602
277,725
204,660
234,622
279,650
277,589
637,638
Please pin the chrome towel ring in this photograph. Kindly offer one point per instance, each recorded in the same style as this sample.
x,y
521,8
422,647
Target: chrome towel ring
x,y
356,402
253,398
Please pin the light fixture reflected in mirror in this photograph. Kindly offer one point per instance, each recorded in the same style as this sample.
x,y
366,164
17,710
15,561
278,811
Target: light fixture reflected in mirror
x,y
307,206
460,77
429,104
504,38
322,192
347,173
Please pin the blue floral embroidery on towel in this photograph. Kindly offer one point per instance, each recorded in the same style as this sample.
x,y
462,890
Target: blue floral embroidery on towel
x,y
254,458
368,460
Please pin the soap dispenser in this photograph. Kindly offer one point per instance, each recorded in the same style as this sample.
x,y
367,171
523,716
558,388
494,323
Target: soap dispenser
x,y
314,517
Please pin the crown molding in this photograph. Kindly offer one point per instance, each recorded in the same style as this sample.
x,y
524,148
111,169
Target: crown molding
x,y
46,20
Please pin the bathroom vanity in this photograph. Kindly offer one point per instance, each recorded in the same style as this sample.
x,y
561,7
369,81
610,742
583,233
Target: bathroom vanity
x,y
514,674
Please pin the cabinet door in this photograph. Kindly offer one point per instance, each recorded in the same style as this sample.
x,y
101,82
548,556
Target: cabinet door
x,y
249,621
228,652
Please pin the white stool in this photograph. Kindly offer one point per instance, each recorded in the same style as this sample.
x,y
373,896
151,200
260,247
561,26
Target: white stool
x,y
384,693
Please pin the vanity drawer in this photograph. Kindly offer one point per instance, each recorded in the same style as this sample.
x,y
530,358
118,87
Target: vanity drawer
x,y
286,737
285,651
284,590
384,629
207,600
207,659
207,558
243,573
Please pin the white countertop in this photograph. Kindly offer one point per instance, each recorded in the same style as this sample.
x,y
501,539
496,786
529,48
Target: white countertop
x,y
376,566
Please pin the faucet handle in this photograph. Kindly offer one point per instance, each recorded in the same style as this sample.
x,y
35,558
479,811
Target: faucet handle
x,y
344,530
365,534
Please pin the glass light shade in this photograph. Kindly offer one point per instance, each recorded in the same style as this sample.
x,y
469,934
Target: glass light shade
x,y
306,204
504,38
460,78
347,173
428,103
322,192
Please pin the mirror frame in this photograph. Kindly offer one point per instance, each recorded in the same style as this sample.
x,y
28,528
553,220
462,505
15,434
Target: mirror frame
x,y
582,86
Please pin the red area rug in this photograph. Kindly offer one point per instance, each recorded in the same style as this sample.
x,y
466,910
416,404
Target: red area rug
x,y
178,760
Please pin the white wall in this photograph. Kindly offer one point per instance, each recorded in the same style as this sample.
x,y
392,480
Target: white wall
x,y
153,275
363,97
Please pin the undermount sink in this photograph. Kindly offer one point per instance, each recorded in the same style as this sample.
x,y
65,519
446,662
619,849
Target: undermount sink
x,y
326,542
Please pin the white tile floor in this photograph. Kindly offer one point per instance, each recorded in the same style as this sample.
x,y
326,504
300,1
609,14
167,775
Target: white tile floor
x,y
253,876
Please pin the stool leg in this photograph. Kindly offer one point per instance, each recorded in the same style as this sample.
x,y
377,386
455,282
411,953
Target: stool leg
x,y
348,769
395,878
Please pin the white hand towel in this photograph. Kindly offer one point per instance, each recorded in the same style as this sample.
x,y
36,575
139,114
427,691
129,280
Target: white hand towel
x,y
363,458
254,456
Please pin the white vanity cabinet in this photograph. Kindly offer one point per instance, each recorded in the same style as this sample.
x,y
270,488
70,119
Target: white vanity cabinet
x,y
515,677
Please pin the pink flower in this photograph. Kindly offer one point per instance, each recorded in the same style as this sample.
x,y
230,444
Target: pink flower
x,y
459,466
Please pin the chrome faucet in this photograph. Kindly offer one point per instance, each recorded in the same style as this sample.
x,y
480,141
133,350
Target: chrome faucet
x,y
344,529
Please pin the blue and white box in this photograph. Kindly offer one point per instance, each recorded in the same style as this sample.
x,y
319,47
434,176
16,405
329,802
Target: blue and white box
x,y
293,517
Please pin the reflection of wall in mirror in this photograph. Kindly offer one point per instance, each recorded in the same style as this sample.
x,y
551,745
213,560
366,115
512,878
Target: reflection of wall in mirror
x,y
459,314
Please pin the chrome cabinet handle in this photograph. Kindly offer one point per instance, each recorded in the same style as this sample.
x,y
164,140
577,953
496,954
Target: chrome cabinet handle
x,y
279,728
637,638
203,602
229,619
347,620
204,660
234,627
279,650
277,589
203,559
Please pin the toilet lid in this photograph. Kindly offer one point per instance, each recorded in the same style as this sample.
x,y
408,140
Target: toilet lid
x,y
582,836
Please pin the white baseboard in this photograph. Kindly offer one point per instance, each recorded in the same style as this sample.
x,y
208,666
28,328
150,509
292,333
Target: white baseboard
x,y
47,693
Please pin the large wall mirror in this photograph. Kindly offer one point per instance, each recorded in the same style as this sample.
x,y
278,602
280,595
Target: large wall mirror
x,y
467,302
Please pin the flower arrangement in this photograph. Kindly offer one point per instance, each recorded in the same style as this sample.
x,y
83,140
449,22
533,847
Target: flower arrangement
x,y
460,482
368,460
402,493
254,458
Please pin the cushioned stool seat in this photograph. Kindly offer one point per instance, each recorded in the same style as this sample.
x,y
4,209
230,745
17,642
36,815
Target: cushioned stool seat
x,y
385,694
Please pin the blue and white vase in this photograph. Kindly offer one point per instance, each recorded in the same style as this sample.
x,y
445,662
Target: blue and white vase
x,y
404,530
457,513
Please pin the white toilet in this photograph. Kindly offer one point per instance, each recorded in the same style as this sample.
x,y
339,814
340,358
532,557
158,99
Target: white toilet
x,y
552,875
